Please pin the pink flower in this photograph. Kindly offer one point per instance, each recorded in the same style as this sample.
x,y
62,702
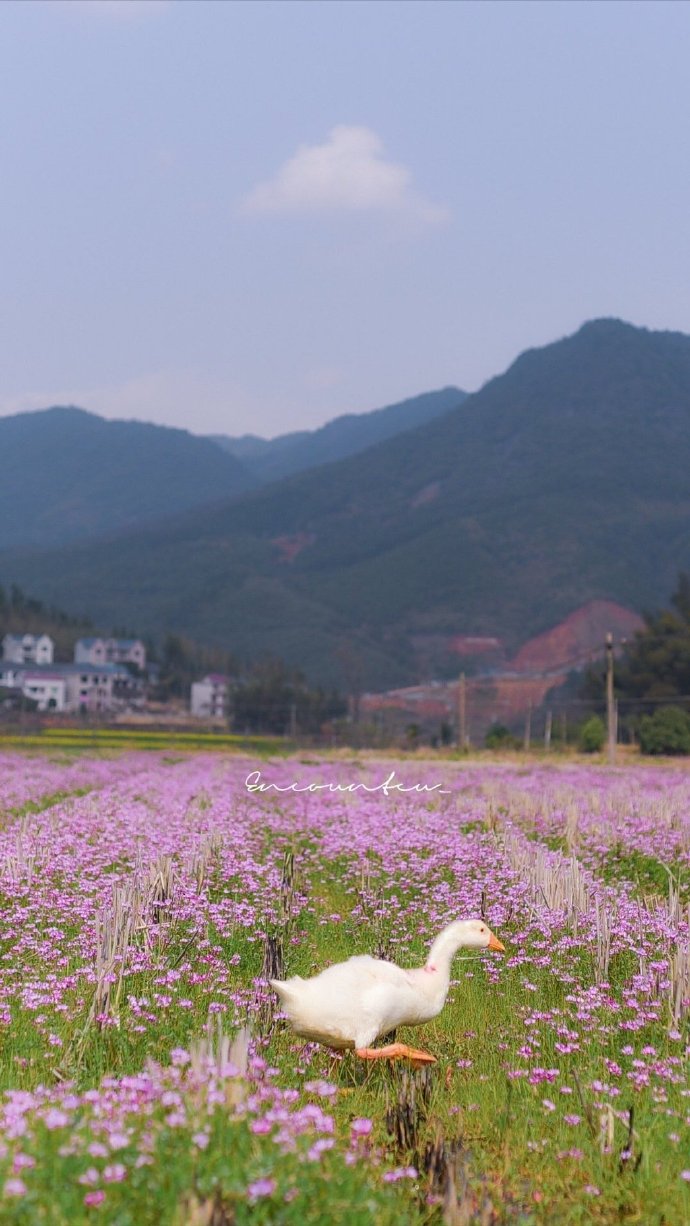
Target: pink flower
x,y
361,1127
114,1173
261,1187
316,1150
93,1199
324,1089
14,1187
22,1161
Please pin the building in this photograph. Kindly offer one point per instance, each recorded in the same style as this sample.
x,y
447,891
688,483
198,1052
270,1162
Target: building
x,y
47,689
126,651
90,686
11,675
27,649
209,697
90,651
71,687
99,651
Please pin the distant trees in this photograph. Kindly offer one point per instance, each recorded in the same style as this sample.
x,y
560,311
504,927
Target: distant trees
x,y
16,605
592,735
183,661
654,667
667,731
274,698
657,662
499,736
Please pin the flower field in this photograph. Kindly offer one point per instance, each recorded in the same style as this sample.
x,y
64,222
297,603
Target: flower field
x,y
147,1074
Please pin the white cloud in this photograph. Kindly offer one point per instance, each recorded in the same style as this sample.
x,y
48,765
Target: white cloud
x,y
348,172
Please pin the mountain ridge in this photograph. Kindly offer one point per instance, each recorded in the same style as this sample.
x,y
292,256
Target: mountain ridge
x,y
561,481
69,473
343,436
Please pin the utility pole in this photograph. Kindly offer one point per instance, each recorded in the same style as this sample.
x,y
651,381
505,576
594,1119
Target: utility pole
x,y
528,727
293,720
462,712
610,704
547,730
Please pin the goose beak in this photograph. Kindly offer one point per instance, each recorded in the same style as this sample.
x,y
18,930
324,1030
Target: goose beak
x,y
494,943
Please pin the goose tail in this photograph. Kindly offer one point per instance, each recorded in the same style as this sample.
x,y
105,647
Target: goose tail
x,y
287,989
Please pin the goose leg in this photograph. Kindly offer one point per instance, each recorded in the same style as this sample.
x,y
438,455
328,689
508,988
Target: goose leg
x,y
396,1051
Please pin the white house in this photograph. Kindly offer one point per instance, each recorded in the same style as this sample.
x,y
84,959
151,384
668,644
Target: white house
x,y
210,696
110,651
91,687
11,675
47,689
90,651
71,687
27,649
126,651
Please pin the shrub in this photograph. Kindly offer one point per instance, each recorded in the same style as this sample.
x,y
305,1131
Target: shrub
x,y
667,731
499,737
592,735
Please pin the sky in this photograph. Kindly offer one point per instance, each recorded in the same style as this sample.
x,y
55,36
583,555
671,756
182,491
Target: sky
x,y
252,217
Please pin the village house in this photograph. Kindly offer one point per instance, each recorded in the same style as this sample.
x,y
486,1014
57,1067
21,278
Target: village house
x,y
209,697
90,651
27,649
110,651
70,687
47,689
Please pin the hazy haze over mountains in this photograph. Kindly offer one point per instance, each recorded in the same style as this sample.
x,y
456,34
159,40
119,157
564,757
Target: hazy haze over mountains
x,y
68,474
270,459
561,481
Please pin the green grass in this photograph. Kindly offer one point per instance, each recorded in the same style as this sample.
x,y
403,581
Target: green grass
x,y
78,739
648,875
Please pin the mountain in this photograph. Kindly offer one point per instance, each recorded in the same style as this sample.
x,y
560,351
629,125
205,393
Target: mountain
x,y
68,474
562,481
271,459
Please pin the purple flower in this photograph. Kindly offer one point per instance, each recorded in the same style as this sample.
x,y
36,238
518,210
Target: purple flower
x,y
14,1187
261,1187
402,1172
93,1199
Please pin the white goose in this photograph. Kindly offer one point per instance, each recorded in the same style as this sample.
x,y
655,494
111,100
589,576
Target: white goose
x,y
354,1002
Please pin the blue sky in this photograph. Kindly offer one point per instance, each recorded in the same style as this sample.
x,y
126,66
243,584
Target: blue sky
x,y
254,216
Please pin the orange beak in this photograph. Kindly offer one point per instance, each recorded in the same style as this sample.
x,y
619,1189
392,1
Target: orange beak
x,y
494,943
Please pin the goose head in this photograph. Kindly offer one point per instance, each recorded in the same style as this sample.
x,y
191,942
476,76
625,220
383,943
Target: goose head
x,y
467,934
475,934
